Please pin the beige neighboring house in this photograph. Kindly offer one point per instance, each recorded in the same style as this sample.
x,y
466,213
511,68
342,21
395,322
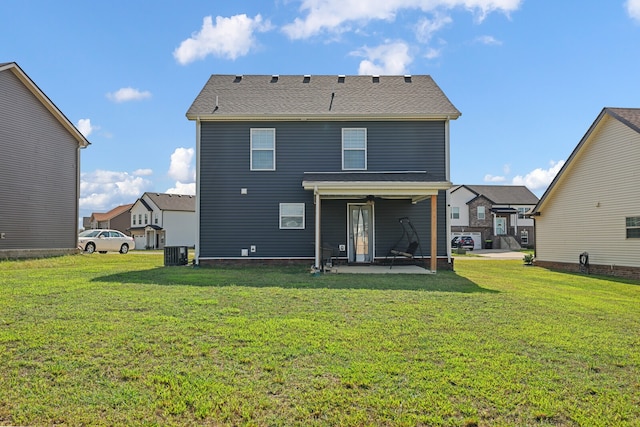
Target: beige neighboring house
x,y
593,204
39,171
117,218
159,219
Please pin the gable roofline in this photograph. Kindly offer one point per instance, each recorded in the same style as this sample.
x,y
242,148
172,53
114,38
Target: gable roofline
x,y
502,194
99,216
171,202
320,97
627,116
44,99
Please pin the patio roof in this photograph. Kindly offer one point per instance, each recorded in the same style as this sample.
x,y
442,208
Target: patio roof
x,y
414,185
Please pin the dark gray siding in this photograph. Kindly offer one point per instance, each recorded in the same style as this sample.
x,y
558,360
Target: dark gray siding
x,y
38,184
230,221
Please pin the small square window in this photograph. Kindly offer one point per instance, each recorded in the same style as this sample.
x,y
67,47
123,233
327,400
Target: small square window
x,y
263,149
633,227
292,216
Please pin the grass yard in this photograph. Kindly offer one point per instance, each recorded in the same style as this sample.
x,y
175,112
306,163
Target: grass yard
x,y
121,340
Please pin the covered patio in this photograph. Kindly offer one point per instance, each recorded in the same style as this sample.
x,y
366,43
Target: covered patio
x,y
416,186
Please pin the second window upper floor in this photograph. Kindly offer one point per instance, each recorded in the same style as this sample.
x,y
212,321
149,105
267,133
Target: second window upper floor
x,y
263,142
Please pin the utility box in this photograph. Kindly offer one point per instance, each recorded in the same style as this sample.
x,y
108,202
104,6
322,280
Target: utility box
x,y
176,255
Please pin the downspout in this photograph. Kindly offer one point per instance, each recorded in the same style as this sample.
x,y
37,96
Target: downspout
x,y
316,195
197,240
447,193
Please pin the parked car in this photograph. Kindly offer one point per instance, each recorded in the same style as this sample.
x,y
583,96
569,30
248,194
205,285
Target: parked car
x,y
105,241
462,242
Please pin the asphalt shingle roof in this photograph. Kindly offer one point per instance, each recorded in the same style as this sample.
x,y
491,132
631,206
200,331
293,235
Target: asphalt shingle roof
x,y
173,202
629,116
297,95
505,194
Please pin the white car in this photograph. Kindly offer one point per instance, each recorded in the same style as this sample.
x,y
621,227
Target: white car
x,y
105,241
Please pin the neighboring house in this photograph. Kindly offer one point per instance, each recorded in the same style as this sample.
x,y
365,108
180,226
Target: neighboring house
x,y
117,218
289,167
495,213
593,204
40,171
158,220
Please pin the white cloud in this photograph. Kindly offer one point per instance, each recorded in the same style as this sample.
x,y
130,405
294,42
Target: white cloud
x,y
488,40
181,167
633,9
334,15
539,179
427,27
493,178
228,38
85,127
183,188
143,172
103,190
128,94
390,58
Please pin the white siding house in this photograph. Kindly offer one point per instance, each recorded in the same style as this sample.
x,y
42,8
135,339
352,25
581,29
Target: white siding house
x,y
159,220
593,204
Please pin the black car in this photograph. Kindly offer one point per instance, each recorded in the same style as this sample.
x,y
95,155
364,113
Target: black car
x,y
462,242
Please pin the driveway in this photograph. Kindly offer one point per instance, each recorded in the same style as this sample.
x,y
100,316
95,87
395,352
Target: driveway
x,y
494,254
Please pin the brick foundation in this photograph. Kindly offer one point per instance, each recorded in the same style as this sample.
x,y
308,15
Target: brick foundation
x,y
443,264
605,270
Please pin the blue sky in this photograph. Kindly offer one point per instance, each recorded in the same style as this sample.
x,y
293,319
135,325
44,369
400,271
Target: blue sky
x,y
529,76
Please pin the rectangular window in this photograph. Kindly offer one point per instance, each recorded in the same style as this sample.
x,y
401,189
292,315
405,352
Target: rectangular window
x,y
134,219
455,213
146,218
521,212
292,216
354,149
156,218
524,237
140,219
263,149
480,212
633,227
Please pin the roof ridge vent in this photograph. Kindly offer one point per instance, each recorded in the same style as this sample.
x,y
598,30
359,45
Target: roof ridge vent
x,y
274,78
238,78
375,78
341,78
407,78
306,78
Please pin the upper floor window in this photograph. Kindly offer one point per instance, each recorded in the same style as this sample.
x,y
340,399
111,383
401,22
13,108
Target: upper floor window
x,y
455,212
633,227
140,219
354,149
292,216
521,212
134,219
263,149
481,212
146,218
155,218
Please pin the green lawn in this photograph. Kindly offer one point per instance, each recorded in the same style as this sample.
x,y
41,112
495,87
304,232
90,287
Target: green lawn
x,y
121,340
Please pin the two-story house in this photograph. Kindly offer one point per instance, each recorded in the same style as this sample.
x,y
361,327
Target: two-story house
x,y
117,218
289,165
495,213
39,171
160,219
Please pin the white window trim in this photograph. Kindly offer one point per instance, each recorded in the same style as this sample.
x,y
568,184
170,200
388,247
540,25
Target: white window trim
x,y
484,213
280,216
366,144
455,209
630,227
273,166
